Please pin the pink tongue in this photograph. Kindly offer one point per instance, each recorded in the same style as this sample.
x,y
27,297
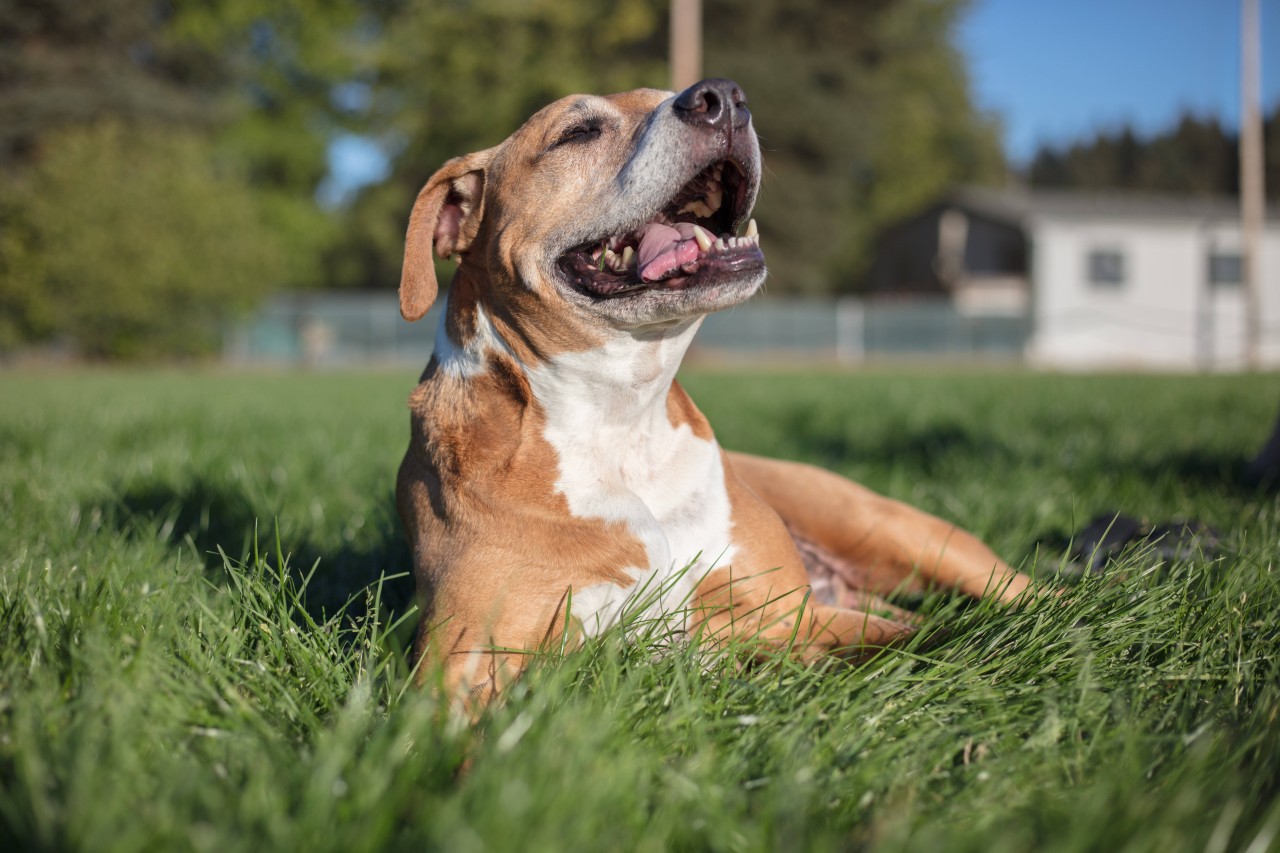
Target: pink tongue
x,y
664,248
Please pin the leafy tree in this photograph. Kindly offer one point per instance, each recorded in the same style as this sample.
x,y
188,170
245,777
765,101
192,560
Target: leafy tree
x,y
863,109
246,82
130,244
864,113
259,72
455,76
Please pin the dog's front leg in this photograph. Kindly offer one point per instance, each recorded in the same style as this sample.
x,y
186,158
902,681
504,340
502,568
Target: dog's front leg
x,y
464,669
474,645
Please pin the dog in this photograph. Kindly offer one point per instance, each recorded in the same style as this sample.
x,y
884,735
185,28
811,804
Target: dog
x,y
558,477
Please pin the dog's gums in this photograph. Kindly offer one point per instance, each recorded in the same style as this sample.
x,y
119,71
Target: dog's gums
x,y
690,242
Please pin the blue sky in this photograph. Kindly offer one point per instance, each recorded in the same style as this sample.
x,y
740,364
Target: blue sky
x,y
1057,70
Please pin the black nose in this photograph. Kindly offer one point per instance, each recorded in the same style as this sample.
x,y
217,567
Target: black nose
x,y
713,103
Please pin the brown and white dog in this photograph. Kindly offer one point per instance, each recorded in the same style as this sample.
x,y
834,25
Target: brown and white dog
x,y
557,471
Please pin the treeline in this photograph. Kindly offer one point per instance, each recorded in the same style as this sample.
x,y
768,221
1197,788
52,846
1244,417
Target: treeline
x,y
1196,156
160,161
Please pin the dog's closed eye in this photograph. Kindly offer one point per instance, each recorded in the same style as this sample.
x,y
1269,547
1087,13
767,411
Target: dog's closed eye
x,y
584,132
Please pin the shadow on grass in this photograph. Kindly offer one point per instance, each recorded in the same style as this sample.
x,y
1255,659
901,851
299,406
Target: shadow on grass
x,y
206,516
931,449
924,449
1199,468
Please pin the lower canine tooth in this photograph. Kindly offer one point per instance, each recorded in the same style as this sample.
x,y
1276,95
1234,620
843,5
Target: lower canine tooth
x,y
752,231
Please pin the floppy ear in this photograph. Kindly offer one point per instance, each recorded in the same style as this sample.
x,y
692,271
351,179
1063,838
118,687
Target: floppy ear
x,y
447,215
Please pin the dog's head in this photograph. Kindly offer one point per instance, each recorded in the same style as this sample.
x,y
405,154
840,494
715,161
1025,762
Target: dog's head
x,y
622,211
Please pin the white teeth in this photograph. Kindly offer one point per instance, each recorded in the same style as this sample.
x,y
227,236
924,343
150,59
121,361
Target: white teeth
x,y
704,237
720,244
752,231
628,257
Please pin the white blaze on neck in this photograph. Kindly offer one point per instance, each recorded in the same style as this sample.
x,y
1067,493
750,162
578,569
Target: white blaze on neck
x,y
621,460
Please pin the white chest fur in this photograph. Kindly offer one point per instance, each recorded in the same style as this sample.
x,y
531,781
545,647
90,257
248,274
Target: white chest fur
x,y
622,460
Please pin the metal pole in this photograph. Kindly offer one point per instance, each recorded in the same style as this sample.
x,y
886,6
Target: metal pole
x,y
1204,300
686,43
1251,177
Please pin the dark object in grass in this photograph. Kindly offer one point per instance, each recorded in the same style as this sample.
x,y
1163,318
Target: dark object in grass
x,y
1110,535
1264,471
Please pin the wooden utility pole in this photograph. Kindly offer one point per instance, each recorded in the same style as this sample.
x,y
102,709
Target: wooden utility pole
x,y
1251,178
686,43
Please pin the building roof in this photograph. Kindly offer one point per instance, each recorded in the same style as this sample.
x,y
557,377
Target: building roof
x,y
1016,206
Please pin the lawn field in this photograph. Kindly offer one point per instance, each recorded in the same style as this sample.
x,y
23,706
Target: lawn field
x,y
178,671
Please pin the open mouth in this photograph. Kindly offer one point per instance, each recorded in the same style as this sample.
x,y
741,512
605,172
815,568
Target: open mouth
x,y
699,237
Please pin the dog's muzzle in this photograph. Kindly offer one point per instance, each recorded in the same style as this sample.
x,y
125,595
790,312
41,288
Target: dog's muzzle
x,y
702,235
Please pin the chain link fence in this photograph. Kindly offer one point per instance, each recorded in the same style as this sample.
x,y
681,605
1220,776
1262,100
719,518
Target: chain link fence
x,y
336,329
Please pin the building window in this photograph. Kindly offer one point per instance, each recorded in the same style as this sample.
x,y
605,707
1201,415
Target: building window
x,y
1226,269
1106,268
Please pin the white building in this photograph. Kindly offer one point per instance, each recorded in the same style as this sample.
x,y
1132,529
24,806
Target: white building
x,y
1106,280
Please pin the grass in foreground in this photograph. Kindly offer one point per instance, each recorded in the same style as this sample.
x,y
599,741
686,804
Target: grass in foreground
x,y
156,694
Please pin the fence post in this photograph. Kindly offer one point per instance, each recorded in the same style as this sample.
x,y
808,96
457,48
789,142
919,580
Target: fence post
x,y
851,330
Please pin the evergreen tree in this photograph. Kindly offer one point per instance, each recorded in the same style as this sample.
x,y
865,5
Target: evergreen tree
x,y
1196,156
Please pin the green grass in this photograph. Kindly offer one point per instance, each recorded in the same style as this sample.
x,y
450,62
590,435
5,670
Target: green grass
x,y
155,694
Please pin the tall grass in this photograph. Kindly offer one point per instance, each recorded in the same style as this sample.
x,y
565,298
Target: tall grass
x,y
203,627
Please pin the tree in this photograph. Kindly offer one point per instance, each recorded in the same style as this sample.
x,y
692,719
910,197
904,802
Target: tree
x,y
453,77
130,244
67,63
865,114
1196,156
230,95
863,109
